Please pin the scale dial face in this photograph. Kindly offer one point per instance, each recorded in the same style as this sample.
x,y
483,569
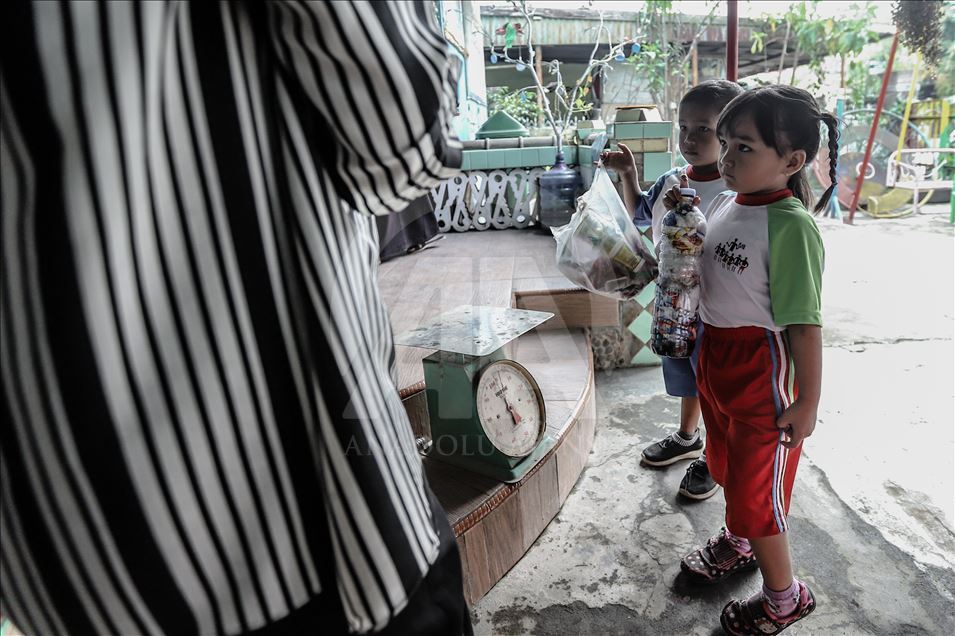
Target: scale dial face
x,y
511,408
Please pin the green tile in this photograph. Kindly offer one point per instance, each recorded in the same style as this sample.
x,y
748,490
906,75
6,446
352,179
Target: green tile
x,y
646,296
496,159
586,172
640,327
512,158
529,158
478,160
645,357
547,156
655,164
570,155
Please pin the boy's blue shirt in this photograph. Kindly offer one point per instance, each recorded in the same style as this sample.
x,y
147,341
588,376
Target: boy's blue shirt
x,y
645,200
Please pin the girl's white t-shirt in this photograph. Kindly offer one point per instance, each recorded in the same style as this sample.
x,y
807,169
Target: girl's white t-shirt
x,y
762,263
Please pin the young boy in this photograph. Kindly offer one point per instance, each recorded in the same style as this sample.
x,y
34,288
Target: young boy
x,y
699,110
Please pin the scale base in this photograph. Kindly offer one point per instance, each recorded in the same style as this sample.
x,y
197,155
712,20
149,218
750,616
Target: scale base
x,y
500,473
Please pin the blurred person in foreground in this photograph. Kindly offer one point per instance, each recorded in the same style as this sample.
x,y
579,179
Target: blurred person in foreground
x,y
201,430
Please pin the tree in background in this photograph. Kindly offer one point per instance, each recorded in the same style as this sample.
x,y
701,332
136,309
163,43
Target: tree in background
x,y
559,106
937,72
661,62
945,77
806,32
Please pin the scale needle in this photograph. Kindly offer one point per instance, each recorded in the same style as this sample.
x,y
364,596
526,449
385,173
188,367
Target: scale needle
x,y
514,414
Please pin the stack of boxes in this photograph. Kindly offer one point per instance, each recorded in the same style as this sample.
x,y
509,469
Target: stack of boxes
x,y
641,129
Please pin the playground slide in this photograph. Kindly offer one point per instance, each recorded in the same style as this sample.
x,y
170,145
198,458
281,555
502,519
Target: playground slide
x,y
883,205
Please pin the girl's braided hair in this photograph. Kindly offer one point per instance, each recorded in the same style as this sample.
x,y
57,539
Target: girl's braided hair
x,y
788,118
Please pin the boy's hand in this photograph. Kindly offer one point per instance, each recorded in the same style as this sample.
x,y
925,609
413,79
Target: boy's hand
x,y
672,196
620,161
796,423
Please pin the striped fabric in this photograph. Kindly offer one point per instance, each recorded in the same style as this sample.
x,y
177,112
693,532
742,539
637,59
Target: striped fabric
x,y
200,427
783,378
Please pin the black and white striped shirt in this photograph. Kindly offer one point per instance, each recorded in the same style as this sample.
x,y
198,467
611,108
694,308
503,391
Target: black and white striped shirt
x,y
199,409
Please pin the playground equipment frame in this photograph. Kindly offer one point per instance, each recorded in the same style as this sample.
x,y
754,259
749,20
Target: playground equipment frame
x,y
902,174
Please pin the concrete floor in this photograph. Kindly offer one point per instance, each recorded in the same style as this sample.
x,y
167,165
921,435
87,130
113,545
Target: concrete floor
x,y
872,512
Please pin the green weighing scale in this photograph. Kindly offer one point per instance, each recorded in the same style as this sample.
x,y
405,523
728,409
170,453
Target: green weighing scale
x,y
486,412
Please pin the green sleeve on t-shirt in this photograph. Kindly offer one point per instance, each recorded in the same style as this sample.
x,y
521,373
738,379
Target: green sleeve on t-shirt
x,y
796,260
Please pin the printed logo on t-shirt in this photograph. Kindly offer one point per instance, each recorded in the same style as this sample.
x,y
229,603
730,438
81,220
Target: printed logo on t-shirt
x,y
730,257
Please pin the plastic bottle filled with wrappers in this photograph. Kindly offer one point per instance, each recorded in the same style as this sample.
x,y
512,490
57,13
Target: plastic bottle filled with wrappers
x,y
673,332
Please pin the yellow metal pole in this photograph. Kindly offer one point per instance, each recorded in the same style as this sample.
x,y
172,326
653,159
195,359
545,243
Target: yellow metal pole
x,y
946,110
908,102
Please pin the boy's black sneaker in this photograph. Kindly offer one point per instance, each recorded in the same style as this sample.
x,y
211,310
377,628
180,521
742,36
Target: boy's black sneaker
x,y
697,482
669,450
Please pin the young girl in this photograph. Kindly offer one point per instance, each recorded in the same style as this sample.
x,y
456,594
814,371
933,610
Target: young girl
x,y
760,366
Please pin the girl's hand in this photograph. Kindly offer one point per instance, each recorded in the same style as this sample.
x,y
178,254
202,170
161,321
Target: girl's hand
x,y
620,161
796,423
672,196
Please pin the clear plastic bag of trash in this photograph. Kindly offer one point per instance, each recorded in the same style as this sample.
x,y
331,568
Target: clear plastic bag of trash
x,y
600,249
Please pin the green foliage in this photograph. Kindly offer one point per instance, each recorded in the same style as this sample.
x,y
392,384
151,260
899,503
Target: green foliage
x,y
861,88
521,105
659,59
945,70
821,37
658,7
651,66
945,82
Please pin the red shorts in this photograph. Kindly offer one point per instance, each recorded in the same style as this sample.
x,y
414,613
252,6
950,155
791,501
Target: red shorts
x,y
746,380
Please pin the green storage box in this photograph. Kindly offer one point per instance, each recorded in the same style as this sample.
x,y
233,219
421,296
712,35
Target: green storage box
x,y
657,129
628,130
